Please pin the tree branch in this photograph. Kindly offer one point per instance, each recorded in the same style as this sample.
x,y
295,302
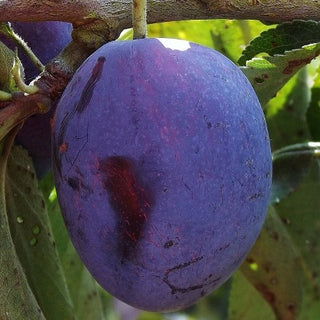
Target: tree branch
x,y
118,12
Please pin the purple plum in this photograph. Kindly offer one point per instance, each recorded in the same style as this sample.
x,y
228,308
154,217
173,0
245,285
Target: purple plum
x,y
162,164
46,40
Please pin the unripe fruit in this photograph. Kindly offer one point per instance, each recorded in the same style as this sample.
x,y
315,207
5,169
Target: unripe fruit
x,y
162,166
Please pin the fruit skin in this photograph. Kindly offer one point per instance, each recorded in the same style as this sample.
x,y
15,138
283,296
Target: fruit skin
x,y
46,40
162,165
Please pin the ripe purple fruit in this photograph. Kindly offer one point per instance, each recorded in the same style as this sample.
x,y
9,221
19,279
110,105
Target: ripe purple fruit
x,y
162,165
46,40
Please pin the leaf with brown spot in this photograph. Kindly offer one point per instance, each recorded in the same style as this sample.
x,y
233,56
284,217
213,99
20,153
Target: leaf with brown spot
x,y
274,268
245,302
269,74
300,212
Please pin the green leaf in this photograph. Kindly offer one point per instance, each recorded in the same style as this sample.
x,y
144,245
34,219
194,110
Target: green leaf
x,y
6,64
16,298
32,237
82,287
313,114
291,165
300,212
245,302
285,37
286,114
273,267
269,74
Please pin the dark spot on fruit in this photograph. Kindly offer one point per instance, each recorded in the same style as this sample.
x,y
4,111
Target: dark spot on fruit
x,y
81,235
89,87
256,196
168,244
227,245
179,269
129,199
78,185
209,125
74,183
165,190
63,147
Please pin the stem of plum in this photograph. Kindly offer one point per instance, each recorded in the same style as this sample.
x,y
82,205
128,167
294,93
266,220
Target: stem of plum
x,y
139,19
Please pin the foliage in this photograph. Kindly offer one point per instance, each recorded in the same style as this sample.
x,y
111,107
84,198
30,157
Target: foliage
x,y
280,278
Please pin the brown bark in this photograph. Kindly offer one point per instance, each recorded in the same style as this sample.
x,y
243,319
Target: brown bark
x,y
118,12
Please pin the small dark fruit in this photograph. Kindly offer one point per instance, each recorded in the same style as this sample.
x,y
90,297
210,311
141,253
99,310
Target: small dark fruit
x,y
46,40
162,166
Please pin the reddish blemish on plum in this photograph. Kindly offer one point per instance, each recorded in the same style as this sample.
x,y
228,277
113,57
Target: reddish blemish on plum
x,y
63,147
129,199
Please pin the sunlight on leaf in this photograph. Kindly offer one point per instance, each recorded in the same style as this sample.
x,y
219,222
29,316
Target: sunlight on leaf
x,y
282,38
269,74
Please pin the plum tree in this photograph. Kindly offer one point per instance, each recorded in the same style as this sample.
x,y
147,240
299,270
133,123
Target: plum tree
x,y
162,165
35,135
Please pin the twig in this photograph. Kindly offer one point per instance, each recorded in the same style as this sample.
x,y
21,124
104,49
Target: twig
x,y
139,19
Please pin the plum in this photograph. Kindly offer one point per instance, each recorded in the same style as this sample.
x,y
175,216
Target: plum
x,y
162,165
46,39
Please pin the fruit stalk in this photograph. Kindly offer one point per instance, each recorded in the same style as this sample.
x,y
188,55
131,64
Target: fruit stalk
x,y
139,19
